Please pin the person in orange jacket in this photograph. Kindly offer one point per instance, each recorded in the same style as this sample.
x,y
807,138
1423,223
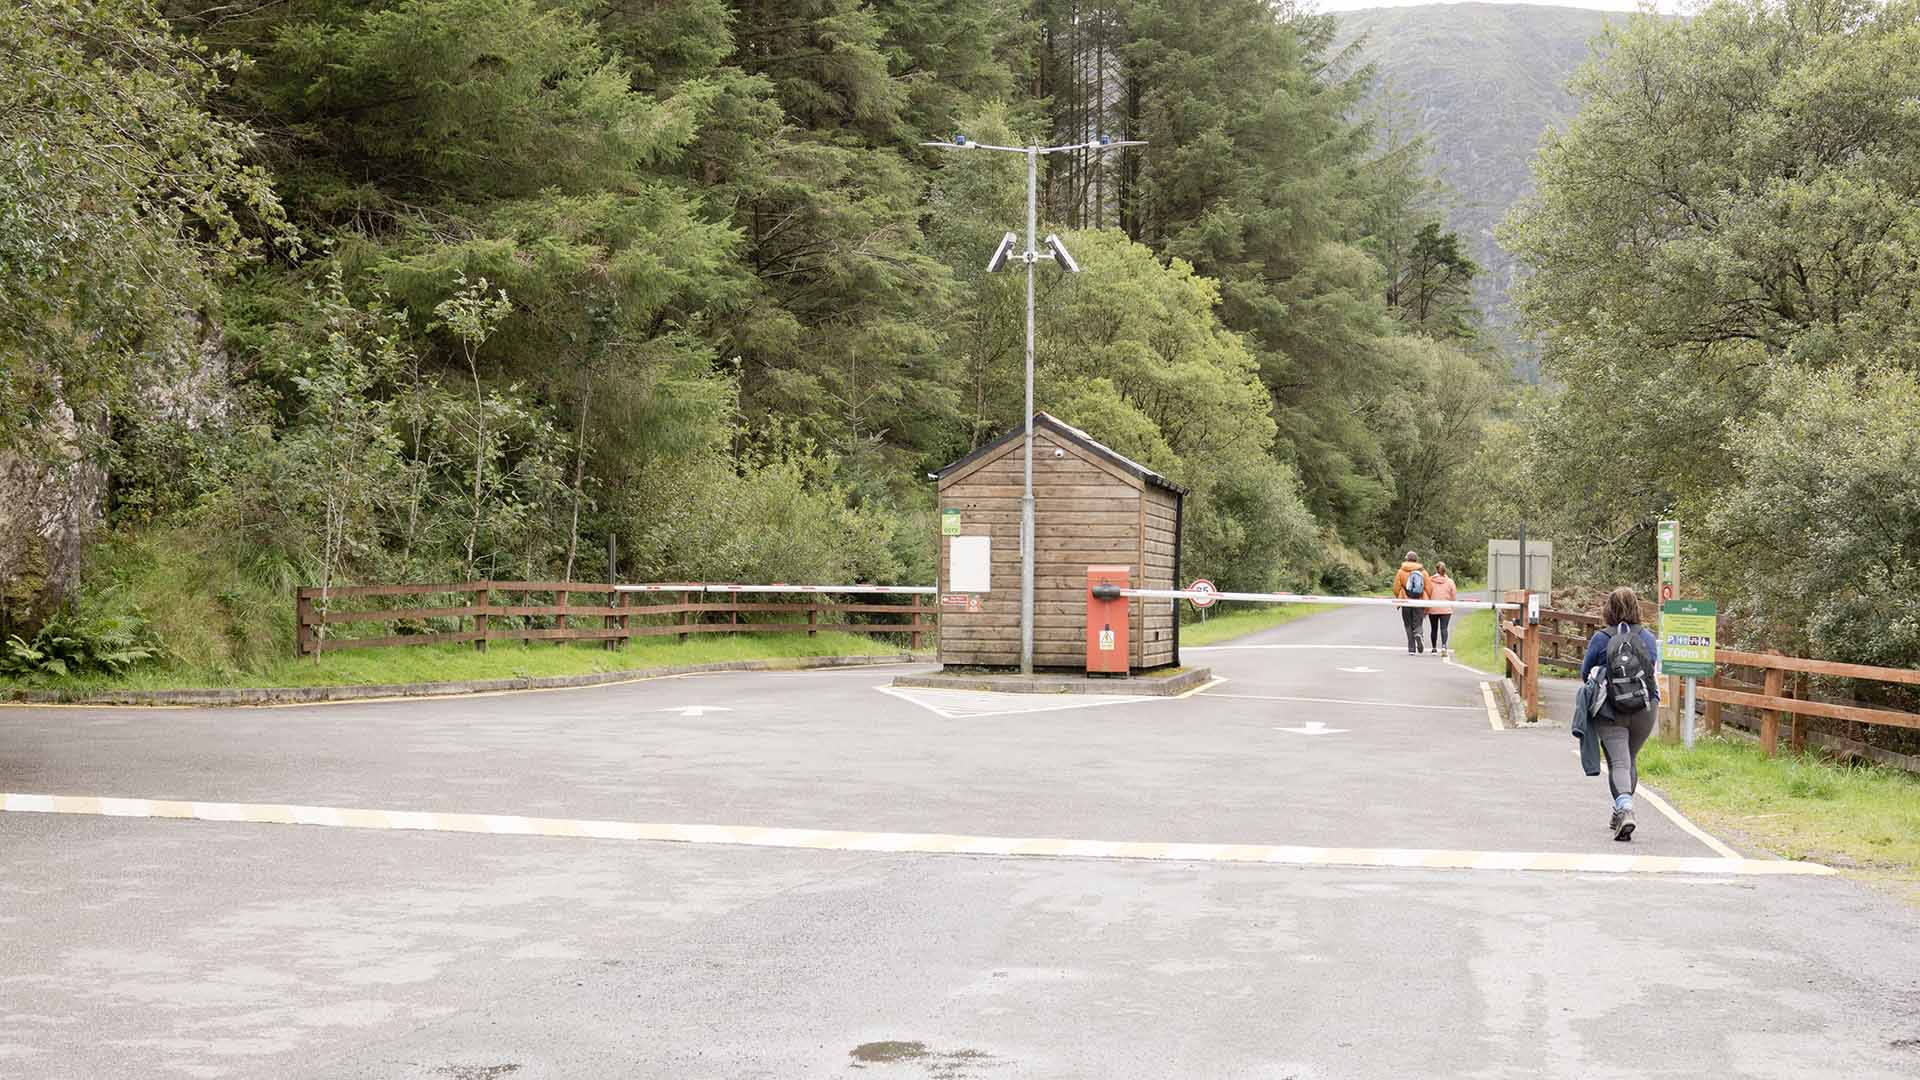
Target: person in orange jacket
x,y
1440,587
1411,584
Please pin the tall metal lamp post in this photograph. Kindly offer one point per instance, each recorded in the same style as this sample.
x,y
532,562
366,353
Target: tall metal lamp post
x,y
1031,256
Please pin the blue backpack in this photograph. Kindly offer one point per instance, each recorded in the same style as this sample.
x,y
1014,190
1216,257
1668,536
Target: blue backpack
x,y
1416,584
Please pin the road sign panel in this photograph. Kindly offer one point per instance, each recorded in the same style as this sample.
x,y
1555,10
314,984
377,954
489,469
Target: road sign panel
x,y
1687,632
1204,586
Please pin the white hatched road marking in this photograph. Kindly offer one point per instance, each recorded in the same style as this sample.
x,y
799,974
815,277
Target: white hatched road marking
x,y
971,704
916,843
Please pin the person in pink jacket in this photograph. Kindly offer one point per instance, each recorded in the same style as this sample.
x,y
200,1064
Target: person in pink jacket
x,y
1440,587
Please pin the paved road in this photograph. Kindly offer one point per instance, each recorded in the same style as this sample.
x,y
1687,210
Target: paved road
x,y
156,948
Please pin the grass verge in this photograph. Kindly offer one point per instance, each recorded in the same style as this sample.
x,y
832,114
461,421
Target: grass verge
x,y
453,663
1472,639
1232,624
1796,806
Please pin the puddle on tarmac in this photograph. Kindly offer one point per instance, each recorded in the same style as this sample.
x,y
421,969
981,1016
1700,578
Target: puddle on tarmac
x,y
939,1064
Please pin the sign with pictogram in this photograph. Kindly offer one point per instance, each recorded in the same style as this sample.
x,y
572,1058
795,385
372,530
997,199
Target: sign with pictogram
x,y
1687,632
1202,585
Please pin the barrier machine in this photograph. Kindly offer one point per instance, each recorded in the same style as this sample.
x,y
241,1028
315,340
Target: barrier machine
x,y
1107,652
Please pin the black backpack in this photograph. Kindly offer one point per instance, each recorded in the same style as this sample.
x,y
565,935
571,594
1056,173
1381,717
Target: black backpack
x,y
1629,671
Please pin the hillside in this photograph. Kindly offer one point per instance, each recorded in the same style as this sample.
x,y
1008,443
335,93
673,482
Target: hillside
x,y
1485,81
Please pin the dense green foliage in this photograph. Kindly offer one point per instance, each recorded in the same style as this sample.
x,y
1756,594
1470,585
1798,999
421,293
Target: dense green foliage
x,y
1723,270
477,285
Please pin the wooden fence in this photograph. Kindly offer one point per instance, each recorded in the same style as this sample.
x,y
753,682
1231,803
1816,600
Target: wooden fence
x,y
484,611
1776,687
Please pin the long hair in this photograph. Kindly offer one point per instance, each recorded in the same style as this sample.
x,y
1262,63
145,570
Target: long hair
x,y
1623,606
1440,570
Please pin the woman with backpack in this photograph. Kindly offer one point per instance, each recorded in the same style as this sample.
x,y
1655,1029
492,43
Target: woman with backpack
x,y
1625,652
1440,587
1410,583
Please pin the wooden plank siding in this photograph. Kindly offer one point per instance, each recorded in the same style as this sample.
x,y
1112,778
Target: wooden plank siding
x,y
1088,509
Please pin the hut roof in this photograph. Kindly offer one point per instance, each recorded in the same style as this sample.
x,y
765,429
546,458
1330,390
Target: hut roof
x,y
1078,438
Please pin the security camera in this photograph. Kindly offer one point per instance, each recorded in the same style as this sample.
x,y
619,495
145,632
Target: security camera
x,y
1002,253
1060,256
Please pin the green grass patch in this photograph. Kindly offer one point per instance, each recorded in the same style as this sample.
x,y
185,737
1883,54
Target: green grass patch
x,y
1232,624
453,663
1471,637
1797,806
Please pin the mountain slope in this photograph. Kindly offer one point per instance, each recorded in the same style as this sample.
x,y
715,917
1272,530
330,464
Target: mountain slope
x,y
1484,81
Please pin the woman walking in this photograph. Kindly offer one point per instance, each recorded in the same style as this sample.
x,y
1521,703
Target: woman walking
x,y
1439,618
1625,652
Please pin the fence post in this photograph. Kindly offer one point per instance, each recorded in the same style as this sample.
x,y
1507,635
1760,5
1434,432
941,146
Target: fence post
x,y
813,615
302,618
1770,718
481,599
1713,707
914,645
1531,657
1798,740
686,601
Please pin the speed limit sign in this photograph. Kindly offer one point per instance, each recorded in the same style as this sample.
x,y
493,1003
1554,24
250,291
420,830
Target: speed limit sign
x,y
1202,585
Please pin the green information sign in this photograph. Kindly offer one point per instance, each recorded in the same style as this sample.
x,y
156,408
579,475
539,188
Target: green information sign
x,y
1669,533
949,523
1687,629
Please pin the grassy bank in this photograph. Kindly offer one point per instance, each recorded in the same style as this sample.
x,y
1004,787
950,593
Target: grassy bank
x,y
1800,807
1232,624
451,663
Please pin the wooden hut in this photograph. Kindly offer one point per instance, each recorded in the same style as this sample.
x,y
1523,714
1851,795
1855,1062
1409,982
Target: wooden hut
x,y
1091,506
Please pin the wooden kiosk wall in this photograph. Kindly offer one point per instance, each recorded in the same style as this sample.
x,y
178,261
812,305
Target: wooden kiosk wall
x,y
1090,506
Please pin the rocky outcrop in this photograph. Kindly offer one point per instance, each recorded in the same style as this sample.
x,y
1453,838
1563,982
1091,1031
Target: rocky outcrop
x,y
48,512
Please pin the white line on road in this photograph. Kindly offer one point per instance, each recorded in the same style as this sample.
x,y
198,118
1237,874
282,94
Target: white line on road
x,y
1679,819
1344,701
917,843
1369,648
954,704
1493,707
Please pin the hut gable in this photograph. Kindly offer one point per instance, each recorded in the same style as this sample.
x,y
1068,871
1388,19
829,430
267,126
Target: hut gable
x,y
1092,506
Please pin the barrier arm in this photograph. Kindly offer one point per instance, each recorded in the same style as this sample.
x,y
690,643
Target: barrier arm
x,y
1307,598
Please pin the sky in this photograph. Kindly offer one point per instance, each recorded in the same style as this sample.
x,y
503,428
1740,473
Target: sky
x,y
1592,5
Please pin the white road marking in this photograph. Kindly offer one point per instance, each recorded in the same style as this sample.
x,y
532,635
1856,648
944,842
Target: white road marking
x,y
1362,670
1691,829
1314,727
1677,818
1493,707
916,843
1345,701
1368,648
973,704
695,710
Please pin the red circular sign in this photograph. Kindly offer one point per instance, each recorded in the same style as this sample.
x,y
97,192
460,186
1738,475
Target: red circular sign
x,y
1666,591
1204,586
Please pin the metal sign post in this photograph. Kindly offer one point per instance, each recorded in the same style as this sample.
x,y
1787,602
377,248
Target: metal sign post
x,y
1032,256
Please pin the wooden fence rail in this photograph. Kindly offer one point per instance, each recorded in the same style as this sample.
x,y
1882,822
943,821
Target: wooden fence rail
x,y
1782,689
577,611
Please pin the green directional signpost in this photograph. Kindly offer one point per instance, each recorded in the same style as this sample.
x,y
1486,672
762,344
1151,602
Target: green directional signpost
x,y
1687,632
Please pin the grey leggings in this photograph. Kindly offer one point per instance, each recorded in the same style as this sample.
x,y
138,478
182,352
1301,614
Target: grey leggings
x,y
1621,742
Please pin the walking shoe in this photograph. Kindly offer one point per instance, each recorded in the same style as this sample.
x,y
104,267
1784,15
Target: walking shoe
x,y
1613,823
1624,831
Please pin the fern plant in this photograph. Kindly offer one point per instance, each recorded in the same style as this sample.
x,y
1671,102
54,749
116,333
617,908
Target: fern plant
x,y
67,646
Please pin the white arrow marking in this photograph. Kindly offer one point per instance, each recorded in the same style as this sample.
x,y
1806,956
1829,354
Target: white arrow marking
x,y
1313,727
697,710
1362,670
